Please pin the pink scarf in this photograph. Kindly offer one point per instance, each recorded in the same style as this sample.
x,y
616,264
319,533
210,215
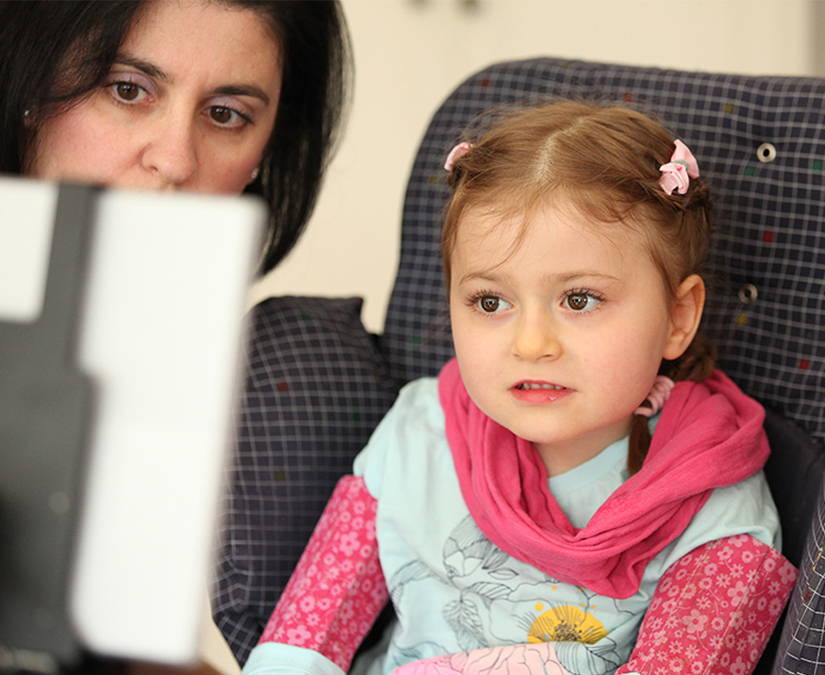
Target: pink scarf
x,y
709,435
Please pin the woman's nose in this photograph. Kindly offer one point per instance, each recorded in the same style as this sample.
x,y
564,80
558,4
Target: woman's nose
x,y
170,153
536,337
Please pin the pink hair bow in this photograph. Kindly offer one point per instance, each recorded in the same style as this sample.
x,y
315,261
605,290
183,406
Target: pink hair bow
x,y
659,393
676,174
455,154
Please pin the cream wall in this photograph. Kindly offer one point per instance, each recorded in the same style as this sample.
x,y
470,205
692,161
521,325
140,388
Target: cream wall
x,y
410,53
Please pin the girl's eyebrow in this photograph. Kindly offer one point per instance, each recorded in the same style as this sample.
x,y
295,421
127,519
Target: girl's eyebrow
x,y
570,276
484,275
564,278
154,71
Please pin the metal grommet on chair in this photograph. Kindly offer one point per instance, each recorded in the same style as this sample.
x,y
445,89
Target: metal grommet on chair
x,y
748,294
766,152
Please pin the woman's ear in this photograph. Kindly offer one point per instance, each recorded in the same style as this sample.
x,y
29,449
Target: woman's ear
x,y
685,315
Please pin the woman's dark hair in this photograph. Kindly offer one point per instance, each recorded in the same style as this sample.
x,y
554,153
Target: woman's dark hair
x,y
52,54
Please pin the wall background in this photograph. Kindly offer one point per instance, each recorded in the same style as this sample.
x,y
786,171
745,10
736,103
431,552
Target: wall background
x,y
409,54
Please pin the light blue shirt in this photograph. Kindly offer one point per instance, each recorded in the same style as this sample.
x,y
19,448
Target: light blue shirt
x,y
454,590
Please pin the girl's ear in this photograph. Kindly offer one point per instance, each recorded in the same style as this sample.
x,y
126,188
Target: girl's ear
x,y
685,315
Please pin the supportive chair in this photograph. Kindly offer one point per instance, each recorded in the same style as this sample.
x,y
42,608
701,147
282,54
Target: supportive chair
x,y
318,383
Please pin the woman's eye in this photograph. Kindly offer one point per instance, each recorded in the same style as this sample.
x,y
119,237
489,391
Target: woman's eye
x,y
227,117
581,301
491,304
128,92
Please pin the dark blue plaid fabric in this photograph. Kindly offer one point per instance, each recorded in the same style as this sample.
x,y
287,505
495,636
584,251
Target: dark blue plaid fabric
x,y
802,646
766,311
315,389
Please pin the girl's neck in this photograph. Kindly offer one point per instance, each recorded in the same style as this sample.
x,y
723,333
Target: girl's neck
x,y
561,457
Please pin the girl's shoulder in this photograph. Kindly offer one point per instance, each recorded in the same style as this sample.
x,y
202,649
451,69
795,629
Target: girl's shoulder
x,y
744,508
420,392
417,409
412,430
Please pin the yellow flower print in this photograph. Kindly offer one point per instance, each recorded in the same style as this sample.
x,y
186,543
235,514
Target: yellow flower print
x,y
566,624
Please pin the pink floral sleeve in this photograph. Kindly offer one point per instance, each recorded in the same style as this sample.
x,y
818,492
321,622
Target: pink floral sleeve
x,y
337,589
714,610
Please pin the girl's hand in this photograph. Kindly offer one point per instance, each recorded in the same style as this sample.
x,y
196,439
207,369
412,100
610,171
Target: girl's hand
x,y
523,659
154,669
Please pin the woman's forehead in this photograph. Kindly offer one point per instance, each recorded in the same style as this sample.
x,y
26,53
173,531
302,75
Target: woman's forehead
x,y
227,40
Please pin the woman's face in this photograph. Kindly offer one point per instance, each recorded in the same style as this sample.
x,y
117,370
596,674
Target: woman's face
x,y
189,104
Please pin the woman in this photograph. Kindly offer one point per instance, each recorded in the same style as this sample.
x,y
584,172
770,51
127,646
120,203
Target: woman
x,y
223,96
226,97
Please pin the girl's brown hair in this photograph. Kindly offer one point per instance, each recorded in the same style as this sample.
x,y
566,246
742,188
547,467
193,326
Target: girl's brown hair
x,y
606,161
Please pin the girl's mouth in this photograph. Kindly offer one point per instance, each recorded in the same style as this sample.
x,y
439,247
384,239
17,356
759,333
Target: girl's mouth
x,y
526,386
532,391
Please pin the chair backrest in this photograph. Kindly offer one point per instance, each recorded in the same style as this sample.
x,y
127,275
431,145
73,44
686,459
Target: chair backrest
x,y
800,649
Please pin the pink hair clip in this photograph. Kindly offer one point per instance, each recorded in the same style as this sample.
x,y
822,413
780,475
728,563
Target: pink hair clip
x,y
455,154
659,393
676,174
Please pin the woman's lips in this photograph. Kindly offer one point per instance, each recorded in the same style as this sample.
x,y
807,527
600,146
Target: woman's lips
x,y
538,391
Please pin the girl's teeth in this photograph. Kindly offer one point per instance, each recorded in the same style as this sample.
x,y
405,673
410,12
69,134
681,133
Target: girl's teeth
x,y
537,385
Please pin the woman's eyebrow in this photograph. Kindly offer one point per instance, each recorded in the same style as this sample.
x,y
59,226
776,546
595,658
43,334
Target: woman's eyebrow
x,y
243,90
141,64
152,70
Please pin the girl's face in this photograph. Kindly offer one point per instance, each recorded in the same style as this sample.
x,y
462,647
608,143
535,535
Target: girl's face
x,y
559,329
189,104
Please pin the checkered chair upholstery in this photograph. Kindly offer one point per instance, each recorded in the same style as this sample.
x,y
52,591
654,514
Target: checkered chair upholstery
x,y
318,383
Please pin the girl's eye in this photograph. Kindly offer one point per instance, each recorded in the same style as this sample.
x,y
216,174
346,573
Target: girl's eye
x,y
227,117
127,92
492,304
582,301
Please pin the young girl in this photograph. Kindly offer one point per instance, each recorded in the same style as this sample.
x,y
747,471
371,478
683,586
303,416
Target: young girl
x,y
553,487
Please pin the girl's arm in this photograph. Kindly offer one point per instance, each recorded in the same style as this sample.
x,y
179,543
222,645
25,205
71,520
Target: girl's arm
x,y
714,610
712,613
335,593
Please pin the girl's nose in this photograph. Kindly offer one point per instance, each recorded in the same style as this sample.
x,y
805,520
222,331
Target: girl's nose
x,y
536,338
169,153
